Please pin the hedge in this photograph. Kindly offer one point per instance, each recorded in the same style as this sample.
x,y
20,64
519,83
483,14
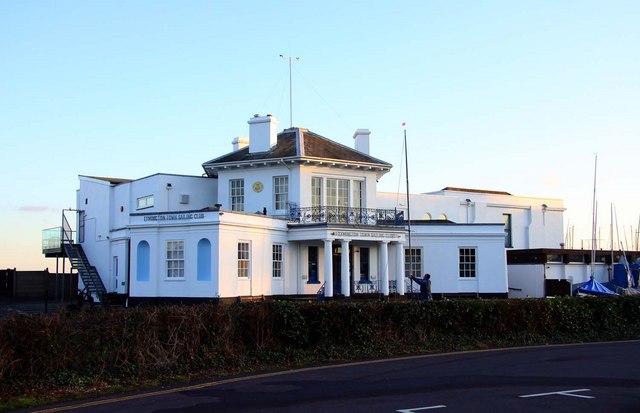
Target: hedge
x,y
116,347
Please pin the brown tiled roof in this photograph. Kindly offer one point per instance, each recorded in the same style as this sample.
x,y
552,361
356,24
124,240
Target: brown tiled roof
x,y
478,191
300,143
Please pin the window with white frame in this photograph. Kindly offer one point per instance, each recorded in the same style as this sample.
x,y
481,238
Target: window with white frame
x,y
280,192
243,259
467,262
316,191
236,191
175,259
145,202
277,261
337,192
412,262
358,194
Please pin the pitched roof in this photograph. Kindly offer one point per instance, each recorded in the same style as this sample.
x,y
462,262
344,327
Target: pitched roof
x,y
298,144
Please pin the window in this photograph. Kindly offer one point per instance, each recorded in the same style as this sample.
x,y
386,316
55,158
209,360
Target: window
x,y
204,260
338,192
358,193
467,262
236,190
507,230
413,262
142,267
243,259
280,192
145,202
277,261
316,192
175,259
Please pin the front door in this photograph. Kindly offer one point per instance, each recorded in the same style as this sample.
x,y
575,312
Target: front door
x,y
313,265
337,270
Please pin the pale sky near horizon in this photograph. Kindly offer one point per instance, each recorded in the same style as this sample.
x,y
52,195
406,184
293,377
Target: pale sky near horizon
x,y
503,95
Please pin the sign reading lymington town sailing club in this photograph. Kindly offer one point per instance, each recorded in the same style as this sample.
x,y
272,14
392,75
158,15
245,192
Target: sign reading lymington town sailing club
x,y
359,234
174,217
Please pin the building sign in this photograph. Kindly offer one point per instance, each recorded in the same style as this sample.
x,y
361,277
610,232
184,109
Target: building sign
x,y
174,217
358,234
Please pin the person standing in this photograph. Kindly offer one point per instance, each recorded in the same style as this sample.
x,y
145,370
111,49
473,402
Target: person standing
x,y
425,287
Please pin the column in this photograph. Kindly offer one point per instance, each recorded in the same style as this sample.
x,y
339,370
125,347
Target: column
x,y
345,285
356,264
384,268
400,268
328,268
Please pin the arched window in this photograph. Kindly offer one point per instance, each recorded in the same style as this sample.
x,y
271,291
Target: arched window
x,y
204,260
442,216
426,216
142,269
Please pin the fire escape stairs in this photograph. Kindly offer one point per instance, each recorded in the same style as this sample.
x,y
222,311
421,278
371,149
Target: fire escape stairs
x,y
87,272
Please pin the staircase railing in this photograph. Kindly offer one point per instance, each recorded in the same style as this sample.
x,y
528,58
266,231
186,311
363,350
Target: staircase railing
x,y
320,293
87,272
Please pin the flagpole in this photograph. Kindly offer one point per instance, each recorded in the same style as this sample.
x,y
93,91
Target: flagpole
x,y
406,165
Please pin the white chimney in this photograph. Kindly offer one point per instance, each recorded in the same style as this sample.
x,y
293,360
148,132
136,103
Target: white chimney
x,y
361,137
263,133
240,142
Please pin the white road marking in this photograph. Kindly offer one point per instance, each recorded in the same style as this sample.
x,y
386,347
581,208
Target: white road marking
x,y
561,393
415,409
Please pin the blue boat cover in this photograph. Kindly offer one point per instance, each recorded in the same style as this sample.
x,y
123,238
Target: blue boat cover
x,y
595,288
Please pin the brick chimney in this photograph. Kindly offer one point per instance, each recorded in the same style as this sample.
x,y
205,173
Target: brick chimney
x,y
263,133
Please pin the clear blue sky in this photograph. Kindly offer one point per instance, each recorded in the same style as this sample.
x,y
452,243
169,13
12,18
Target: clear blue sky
x,y
505,95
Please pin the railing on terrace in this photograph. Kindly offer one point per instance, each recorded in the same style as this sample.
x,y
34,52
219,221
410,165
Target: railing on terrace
x,y
345,215
51,238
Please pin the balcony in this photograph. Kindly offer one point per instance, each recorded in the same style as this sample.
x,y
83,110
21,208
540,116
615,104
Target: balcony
x,y
52,240
345,215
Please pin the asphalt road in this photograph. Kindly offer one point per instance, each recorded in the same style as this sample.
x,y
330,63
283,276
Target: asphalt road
x,y
601,377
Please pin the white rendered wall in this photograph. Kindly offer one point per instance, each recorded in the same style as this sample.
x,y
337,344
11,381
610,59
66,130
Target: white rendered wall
x,y
255,202
94,198
533,226
526,281
261,233
440,248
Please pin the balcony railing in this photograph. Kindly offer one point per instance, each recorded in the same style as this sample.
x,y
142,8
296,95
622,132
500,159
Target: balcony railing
x,y
345,215
51,239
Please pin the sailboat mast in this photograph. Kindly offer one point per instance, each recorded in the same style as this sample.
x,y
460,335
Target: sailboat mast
x,y
593,217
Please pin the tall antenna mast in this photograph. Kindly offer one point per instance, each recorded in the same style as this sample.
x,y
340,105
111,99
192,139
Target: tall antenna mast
x,y
289,58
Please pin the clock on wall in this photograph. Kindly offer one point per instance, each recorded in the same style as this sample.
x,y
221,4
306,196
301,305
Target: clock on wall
x,y
257,186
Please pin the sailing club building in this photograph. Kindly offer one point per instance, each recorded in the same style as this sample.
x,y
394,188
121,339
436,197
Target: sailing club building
x,y
292,213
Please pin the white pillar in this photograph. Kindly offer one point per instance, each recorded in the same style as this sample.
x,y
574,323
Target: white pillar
x,y
356,264
384,268
345,285
400,268
328,268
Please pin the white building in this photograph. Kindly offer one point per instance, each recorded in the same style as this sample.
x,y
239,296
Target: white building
x,y
294,213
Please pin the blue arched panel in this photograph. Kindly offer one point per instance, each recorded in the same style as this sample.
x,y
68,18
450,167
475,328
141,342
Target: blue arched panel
x,y
204,260
142,270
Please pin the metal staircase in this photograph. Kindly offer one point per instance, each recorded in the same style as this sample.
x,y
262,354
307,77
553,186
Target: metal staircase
x,y
87,272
